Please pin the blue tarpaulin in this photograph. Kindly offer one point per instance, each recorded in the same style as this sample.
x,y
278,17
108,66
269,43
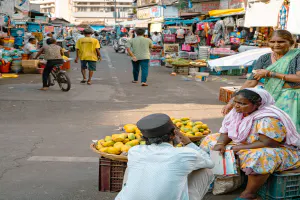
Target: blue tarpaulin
x,y
97,27
34,27
187,22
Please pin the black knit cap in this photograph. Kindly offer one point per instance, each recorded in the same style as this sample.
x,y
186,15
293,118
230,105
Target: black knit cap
x,y
155,125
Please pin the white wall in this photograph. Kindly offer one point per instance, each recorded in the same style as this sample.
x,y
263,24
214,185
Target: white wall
x,y
62,9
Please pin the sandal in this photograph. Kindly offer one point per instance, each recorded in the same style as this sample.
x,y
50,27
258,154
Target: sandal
x,y
83,81
43,89
144,84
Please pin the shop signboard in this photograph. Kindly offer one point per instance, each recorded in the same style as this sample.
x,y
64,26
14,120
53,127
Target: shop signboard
x,y
48,29
22,5
155,11
7,7
204,7
236,4
41,19
143,13
146,2
171,12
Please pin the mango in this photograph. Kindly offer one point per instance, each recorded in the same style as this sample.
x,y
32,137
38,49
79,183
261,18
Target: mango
x,y
133,143
198,126
118,137
198,134
108,138
189,135
185,119
179,145
187,130
99,146
204,126
108,144
195,129
185,122
104,149
137,131
118,145
131,136
205,132
137,136
182,128
125,148
188,126
142,142
176,120
113,150
130,128
209,131
191,124
178,124
201,130
125,141
199,122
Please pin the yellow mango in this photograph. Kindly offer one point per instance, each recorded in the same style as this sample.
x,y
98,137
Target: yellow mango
x,y
118,137
195,129
133,143
108,138
198,134
108,144
130,128
179,145
125,141
113,150
125,148
185,119
142,142
99,146
205,132
199,122
131,136
189,135
118,145
204,126
104,149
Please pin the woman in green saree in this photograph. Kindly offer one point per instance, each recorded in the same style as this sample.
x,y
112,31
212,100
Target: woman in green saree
x,y
281,70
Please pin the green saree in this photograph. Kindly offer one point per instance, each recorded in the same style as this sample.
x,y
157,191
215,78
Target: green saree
x,y
286,99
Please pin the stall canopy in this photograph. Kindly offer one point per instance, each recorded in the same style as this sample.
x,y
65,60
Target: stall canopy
x,y
237,61
260,14
97,27
186,22
226,12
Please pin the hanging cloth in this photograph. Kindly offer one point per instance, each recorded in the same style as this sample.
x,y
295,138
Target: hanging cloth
x,y
283,17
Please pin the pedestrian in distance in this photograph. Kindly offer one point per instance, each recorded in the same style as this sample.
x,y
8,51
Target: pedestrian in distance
x,y
88,51
138,49
53,55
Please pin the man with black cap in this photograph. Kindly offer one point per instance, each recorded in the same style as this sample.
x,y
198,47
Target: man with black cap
x,y
160,171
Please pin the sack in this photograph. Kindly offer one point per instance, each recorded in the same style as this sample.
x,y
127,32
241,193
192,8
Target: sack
x,y
192,39
186,47
226,184
229,21
169,38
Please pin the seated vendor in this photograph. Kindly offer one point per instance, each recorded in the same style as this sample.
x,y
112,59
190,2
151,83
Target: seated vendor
x,y
160,171
30,48
263,137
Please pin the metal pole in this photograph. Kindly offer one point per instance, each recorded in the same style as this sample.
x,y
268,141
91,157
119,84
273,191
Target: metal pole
x,y
115,12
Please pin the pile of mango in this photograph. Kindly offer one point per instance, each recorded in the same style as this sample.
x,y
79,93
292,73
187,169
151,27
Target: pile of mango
x,y
122,142
190,128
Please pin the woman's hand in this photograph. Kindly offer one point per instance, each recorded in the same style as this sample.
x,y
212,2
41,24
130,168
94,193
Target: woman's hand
x,y
236,148
260,73
226,109
220,147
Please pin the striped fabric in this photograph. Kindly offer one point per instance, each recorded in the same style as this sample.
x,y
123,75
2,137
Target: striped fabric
x,y
283,17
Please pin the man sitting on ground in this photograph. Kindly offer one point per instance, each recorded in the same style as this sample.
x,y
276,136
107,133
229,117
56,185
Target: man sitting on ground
x,y
160,171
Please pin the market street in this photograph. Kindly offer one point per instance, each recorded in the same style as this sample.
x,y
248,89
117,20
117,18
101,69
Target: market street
x,y
45,136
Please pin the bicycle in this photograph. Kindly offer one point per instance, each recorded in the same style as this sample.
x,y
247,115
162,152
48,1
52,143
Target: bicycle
x,y
60,77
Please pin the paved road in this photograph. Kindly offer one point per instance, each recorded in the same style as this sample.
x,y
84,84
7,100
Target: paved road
x,y
45,136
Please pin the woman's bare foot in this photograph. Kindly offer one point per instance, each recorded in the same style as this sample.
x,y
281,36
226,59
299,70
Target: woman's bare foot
x,y
89,82
44,88
144,84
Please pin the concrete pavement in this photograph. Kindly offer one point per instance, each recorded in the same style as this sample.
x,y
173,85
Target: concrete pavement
x,y
45,136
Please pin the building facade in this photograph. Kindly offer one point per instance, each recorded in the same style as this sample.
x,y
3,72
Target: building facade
x,y
102,11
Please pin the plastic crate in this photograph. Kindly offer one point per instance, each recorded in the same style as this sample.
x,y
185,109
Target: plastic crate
x,y
235,72
111,174
282,187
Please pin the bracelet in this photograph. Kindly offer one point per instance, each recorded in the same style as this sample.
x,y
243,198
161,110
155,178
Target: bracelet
x,y
220,143
283,78
273,74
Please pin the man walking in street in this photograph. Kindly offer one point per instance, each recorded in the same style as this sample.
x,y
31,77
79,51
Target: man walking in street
x,y
139,50
88,50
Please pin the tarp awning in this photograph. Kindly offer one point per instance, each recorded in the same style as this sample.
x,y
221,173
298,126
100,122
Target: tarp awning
x,y
186,22
226,12
97,27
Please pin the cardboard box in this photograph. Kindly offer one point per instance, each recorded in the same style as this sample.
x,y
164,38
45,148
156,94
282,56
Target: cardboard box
x,y
30,63
227,92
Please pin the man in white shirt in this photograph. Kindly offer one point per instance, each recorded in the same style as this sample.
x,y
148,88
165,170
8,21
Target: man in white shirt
x,y
160,171
156,38
30,47
48,35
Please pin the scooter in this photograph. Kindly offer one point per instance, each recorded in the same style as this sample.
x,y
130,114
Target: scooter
x,y
70,43
120,45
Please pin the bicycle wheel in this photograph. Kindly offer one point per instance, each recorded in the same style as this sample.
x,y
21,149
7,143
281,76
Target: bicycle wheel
x,y
64,81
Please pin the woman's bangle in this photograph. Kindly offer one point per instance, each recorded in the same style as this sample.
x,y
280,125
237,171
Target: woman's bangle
x,y
283,78
273,74
220,143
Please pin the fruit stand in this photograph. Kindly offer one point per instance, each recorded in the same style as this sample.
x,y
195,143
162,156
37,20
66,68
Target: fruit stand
x,y
113,150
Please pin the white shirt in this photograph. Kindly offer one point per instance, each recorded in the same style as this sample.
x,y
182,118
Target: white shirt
x,y
159,172
156,38
28,48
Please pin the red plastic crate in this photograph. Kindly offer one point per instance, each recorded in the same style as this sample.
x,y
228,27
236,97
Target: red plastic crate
x,y
111,174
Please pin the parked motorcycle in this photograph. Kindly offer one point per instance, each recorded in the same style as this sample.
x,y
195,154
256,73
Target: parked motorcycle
x,y
70,43
120,45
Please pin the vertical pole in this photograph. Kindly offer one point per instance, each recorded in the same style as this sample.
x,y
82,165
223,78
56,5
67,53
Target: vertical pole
x,y
115,12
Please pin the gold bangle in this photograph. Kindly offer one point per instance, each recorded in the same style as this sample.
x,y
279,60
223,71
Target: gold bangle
x,y
220,143
283,78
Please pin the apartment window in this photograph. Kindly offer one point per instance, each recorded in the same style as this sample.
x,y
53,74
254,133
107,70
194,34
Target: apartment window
x,y
81,9
95,3
108,3
96,9
82,3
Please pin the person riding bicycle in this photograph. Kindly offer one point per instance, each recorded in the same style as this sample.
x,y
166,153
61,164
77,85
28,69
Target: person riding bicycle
x,y
53,55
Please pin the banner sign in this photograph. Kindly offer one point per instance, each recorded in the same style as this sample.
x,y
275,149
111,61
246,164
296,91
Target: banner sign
x,y
155,11
41,19
152,12
204,7
48,29
143,13
22,5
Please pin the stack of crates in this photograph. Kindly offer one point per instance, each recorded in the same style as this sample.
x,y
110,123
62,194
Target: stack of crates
x,y
281,187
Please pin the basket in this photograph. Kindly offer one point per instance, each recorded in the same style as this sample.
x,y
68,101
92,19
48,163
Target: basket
x,y
197,138
281,186
111,175
119,158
